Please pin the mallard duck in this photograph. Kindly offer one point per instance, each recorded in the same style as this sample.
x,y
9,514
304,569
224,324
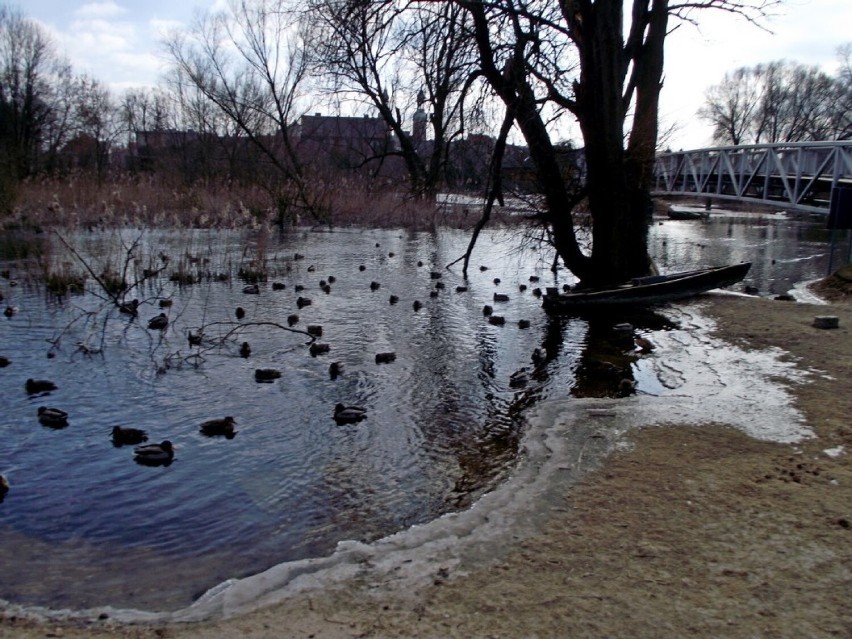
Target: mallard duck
x,y
245,350
158,323
52,417
39,386
501,297
349,414
10,310
194,339
315,330
385,358
154,454
417,305
213,427
302,302
240,312
292,319
4,486
122,435
4,362
393,299
251,289
318,349
266,374
335,369
129,308
374,286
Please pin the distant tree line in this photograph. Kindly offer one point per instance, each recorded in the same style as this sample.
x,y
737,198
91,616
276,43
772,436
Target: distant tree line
x,y
782,102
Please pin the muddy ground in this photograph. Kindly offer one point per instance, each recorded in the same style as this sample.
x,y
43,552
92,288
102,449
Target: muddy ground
x,y
691,531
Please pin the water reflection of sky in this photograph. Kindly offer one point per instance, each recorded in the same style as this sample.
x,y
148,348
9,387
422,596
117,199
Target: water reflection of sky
x,y
443,423
782,251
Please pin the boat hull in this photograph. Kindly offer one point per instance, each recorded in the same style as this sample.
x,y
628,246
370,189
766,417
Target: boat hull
x,y
688,213
655,289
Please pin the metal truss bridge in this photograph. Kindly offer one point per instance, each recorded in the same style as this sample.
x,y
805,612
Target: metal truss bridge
x,y
795,176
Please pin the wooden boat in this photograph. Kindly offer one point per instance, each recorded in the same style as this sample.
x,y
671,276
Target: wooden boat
x,y
688,213
643,291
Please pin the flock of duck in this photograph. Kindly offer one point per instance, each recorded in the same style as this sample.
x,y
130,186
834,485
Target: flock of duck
x,y
163,453
146,454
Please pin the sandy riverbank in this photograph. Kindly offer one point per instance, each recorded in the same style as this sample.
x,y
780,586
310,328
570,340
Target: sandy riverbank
x,y
691,530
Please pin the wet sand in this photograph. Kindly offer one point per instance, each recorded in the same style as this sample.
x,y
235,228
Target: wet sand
x,y
685,530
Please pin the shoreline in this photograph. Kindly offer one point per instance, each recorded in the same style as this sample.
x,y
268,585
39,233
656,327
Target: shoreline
x,y
698,514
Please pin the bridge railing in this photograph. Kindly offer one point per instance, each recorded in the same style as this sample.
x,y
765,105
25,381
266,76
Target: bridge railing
x,y
797,175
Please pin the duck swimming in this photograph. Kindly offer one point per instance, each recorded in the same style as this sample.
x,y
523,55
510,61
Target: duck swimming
x,y
266,374
349,414
215,427
34,386
52,417
125,435
129,308
158,323
154,454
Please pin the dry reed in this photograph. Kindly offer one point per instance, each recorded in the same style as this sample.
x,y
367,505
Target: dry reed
x,y
152,201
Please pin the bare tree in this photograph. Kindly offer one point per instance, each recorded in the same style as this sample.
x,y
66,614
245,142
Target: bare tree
x,y
776,102
842,115
249,61
605,68
730,107
396,58
30,71
96,120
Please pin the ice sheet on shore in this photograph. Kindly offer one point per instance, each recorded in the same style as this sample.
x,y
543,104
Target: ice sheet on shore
x,y
698,379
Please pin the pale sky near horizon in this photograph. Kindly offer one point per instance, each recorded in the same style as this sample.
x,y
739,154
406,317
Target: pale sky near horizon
x,y
117,42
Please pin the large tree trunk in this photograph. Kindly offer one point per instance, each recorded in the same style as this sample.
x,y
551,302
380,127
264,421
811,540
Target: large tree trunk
x,y
617,187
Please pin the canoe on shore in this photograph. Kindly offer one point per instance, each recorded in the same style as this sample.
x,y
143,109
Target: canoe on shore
x,y
653,289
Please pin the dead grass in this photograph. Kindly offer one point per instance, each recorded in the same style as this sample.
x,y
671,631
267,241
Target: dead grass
x,y
152,201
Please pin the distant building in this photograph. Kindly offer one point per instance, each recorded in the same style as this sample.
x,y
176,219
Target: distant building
x,y
342,142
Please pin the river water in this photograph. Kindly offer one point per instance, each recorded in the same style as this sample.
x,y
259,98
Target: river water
x,y
84,526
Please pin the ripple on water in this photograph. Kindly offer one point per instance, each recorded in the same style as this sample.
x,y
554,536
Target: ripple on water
x,y
443,421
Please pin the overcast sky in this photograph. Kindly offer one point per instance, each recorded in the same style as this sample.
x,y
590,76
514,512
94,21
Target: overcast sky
x,y
116,41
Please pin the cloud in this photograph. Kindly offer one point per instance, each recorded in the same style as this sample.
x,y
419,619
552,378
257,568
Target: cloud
x,y
106,45
96,10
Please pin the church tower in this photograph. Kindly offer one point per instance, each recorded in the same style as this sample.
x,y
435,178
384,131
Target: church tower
x,y
418,128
